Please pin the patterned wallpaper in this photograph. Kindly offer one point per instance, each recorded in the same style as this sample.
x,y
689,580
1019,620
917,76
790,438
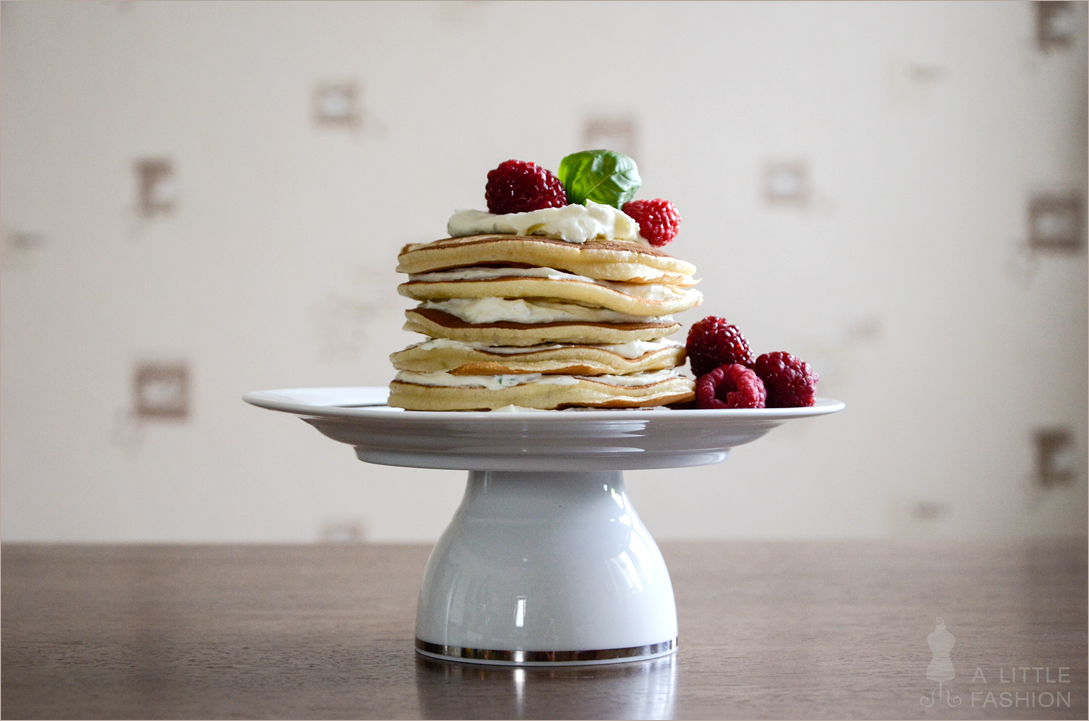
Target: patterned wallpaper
x,y
201,200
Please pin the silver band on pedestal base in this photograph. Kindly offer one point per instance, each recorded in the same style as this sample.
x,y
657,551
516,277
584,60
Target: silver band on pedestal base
x,y
545,658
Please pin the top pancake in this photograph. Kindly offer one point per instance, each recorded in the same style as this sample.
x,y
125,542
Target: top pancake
x,y
597,259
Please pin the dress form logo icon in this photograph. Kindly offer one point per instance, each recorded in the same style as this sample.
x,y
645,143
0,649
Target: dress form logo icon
x,y
941,666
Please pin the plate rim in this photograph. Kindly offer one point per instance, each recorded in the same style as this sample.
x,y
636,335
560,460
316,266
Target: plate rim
x,y
267,400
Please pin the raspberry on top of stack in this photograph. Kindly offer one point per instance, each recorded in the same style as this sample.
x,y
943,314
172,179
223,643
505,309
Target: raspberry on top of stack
x,y
557,297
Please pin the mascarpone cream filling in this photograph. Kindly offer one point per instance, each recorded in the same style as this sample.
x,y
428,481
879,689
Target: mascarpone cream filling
x,y
573,223
494,383
518,310
630,350
643,291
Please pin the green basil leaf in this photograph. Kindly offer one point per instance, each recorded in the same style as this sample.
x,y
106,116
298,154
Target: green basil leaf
x,y
603,176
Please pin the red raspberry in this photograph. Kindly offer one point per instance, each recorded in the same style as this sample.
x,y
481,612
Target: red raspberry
x,y
713,342
518,186
730,386
790,381
658,219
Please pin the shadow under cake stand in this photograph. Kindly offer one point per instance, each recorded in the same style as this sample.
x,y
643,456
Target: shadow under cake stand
x,y
545,561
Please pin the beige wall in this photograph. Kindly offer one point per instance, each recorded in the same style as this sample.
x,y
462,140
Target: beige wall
x,y
905,275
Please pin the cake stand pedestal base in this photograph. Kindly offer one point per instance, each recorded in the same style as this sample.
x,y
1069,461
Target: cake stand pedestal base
x,y
545,562
545,568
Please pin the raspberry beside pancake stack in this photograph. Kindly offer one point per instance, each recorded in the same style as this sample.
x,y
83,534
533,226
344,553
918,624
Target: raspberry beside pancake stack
x,y
579,319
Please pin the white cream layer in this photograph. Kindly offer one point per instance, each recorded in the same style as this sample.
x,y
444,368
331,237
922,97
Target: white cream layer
x,y
573,223
518,310
630,350
494,383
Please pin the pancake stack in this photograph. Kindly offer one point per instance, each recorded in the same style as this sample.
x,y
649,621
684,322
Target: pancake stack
x,y
523,321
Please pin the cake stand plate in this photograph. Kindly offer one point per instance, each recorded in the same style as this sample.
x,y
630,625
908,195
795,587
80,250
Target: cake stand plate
x,y
545,561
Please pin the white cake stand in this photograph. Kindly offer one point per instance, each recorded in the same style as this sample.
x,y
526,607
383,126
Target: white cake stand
x,y
545,562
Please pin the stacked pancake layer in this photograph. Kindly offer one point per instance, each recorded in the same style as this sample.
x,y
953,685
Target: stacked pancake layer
x,y
540,323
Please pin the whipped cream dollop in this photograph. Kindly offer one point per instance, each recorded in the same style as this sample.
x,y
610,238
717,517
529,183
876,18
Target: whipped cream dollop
x,y
573,223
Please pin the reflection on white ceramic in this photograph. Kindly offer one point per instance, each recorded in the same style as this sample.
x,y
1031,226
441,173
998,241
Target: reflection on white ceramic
x,y
545,561
627,691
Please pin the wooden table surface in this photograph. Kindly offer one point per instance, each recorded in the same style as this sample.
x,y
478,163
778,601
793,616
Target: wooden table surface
x,y
767,630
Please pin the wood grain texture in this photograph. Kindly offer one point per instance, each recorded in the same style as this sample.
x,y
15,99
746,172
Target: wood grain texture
x,y
768,630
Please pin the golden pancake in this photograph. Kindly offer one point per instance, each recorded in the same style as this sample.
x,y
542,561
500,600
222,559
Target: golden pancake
x,y
598,259
439,324
474,359
546,393
631,298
